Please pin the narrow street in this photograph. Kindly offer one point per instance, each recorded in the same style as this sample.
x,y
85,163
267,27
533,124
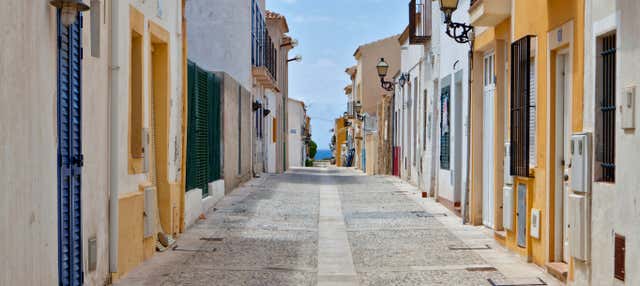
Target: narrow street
x,y
330,226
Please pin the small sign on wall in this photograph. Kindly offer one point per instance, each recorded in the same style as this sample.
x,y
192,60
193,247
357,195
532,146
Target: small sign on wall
x,y
293,131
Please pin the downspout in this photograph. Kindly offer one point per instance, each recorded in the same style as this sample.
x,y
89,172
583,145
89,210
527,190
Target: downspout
x,y
113,150
467,191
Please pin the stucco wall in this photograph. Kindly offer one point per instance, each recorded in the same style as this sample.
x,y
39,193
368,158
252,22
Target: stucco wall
x,y
614,206
453,70
156,24
28,149
220,36
237,129
367,76
295,145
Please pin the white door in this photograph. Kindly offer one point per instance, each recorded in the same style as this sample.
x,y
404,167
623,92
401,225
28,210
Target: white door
x,y
488,142
563,137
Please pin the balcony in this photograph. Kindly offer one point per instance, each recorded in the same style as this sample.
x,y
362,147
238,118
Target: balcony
x,y
419,21
264,53
489,13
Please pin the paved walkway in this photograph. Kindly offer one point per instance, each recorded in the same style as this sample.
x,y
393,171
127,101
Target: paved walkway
x,y
329,226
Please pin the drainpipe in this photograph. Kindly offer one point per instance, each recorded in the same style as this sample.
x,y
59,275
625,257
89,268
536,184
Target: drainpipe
x,y
467,191
114,163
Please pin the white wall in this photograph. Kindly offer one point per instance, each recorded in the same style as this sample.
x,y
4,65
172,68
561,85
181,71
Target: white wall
x,y
268,132
614,206
220,37
295,145
454,67
168,19
28,147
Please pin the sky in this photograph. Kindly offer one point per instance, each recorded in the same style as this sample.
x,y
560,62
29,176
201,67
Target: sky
x,y
329,32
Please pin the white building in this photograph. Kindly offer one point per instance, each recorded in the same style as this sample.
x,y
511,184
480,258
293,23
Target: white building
x,y
453,107
611,32
296,146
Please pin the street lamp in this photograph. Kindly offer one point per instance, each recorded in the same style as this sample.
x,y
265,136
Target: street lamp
x,y
297,58
69,10
383,69
460,32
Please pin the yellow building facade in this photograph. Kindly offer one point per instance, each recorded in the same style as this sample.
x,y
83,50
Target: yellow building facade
x,y
553,32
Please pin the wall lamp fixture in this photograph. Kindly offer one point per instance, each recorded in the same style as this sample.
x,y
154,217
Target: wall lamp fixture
x,y
383,69
460,32
69,10
297,58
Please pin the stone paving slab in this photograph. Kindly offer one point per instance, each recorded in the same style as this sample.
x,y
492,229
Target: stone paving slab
x,y
434,277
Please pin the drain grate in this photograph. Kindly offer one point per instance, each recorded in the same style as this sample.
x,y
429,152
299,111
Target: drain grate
x,y
481,269
214,239
539,282
194,250
485,247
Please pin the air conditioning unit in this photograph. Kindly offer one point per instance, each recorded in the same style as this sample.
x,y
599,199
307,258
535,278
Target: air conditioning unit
x,y
579,238
508,179
150,205
507,207
581,163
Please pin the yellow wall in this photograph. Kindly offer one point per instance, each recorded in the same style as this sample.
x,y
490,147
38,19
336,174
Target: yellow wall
x,y
537,18
341,138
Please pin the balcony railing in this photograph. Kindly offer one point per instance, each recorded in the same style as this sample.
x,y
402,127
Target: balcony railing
x,y
419,21
263,50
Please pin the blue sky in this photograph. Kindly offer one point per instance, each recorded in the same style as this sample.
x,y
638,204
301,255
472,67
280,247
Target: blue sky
x,y
329,31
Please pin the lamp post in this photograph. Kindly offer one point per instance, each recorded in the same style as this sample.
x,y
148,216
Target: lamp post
x,y
460,32
69,10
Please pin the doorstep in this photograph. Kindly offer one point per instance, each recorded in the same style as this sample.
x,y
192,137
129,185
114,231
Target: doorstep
x,y
559,270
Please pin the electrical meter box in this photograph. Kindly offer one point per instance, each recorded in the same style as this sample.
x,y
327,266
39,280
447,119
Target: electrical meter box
x,y
581,163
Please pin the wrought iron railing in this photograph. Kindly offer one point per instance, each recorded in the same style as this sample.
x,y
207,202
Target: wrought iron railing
x,y
606,150
264,53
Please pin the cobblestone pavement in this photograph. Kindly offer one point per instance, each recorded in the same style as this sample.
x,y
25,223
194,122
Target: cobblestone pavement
x,y
329,226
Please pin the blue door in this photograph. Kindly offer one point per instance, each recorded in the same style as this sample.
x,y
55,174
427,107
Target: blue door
x,y
70,159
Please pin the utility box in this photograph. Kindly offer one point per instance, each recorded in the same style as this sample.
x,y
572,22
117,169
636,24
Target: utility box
x,y
535,223
150,206
628,108
507,207
579,238
508,179
581,163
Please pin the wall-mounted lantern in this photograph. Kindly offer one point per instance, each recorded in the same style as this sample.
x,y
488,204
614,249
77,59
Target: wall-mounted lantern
x,y
69,10
383,69
460,32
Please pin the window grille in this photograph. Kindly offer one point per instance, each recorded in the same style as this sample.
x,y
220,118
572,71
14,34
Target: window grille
x,y
607,110
522,108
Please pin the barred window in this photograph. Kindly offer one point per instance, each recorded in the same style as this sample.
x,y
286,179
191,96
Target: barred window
x,y
523,110
605,134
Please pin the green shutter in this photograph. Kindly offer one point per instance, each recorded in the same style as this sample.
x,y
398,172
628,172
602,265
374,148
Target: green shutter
x,y
203,129
197,140
214,128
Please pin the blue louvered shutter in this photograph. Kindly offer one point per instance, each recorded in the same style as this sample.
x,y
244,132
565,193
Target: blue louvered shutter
x,y
70,159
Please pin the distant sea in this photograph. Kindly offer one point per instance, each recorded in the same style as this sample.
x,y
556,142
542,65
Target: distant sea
x,y
323,154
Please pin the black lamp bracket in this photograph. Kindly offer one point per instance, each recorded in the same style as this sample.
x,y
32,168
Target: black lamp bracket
x,y
459,31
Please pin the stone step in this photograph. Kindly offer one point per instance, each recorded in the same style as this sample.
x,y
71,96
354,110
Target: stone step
x,y
559,270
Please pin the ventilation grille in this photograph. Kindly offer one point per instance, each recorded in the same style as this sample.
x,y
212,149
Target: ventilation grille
x,y
618,269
